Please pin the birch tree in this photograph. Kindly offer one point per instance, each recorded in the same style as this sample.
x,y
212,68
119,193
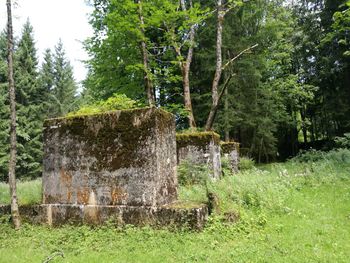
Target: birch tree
x,y
13,138
222,10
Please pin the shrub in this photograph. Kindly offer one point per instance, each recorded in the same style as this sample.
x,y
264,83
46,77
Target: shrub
x,y
246,163
339,156
343,142
225,163
116,102
191,174
309,156
336,156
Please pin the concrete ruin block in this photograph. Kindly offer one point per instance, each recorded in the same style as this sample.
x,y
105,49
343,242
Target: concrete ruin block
x,y
231,151
200,148
125,157
176,215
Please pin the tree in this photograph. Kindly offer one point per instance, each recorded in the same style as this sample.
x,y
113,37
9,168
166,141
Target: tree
x,y
147,76
154,38
46,81
64,88
216,96
4,110
13,149
31,101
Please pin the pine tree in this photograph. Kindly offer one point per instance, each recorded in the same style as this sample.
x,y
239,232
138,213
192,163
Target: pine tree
x,y
30,106
46,82
4,111
64,86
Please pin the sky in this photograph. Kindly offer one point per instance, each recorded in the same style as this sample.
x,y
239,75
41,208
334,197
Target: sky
x,y
52,20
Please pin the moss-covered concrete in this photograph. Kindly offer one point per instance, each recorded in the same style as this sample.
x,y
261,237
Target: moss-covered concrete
x,y
227,147
200,139
231,151
200,148
125,157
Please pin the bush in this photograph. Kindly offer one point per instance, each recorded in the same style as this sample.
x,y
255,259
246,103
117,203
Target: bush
x,y
343,142
246,163
339,156
225,164
116,102
191,174
336,156
309,156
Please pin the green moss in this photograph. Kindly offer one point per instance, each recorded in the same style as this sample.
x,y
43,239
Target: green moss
x,y
196,138
97,134
227,147
116,102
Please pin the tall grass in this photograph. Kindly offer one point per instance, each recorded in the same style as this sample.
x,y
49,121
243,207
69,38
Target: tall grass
x,y
267,187
29,192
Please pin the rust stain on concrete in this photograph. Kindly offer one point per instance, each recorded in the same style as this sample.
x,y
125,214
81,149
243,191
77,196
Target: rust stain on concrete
x,y
118,196
83,195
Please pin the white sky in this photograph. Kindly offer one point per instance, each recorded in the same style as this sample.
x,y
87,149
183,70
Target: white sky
x,y
51,20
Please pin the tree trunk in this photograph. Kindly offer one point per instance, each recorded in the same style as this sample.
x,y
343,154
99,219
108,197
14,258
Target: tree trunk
x,y
147,78
227,129
303,128
218,71
13,140
185,68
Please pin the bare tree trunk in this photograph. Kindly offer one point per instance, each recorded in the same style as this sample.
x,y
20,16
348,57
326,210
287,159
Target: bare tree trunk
x,y
227,130
13,139
185,68
148,81
218,71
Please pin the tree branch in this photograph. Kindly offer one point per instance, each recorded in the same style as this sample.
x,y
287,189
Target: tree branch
x,y
225,86
239,55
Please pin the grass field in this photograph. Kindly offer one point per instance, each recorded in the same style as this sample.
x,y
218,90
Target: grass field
x,y
291,212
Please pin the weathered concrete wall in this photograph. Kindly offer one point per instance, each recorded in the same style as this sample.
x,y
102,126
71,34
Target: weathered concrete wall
x,y
123,157
200,148
191,215
231,151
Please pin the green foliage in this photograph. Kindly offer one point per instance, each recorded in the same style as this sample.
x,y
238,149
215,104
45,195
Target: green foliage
x,y
336,156
189,174
246,163
30,106
64,89
343,142
4,110
116,102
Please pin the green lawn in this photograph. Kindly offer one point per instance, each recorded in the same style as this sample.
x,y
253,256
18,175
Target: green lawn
x,y
289,213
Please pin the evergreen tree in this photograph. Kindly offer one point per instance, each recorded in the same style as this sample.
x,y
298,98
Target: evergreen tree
x,y
64,88
29,104
4,110
46,82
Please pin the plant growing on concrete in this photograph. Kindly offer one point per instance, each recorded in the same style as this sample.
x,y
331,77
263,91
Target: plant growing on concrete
x,y
116,102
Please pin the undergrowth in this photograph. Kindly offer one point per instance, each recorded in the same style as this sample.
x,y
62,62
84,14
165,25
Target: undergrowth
x,y
298,211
